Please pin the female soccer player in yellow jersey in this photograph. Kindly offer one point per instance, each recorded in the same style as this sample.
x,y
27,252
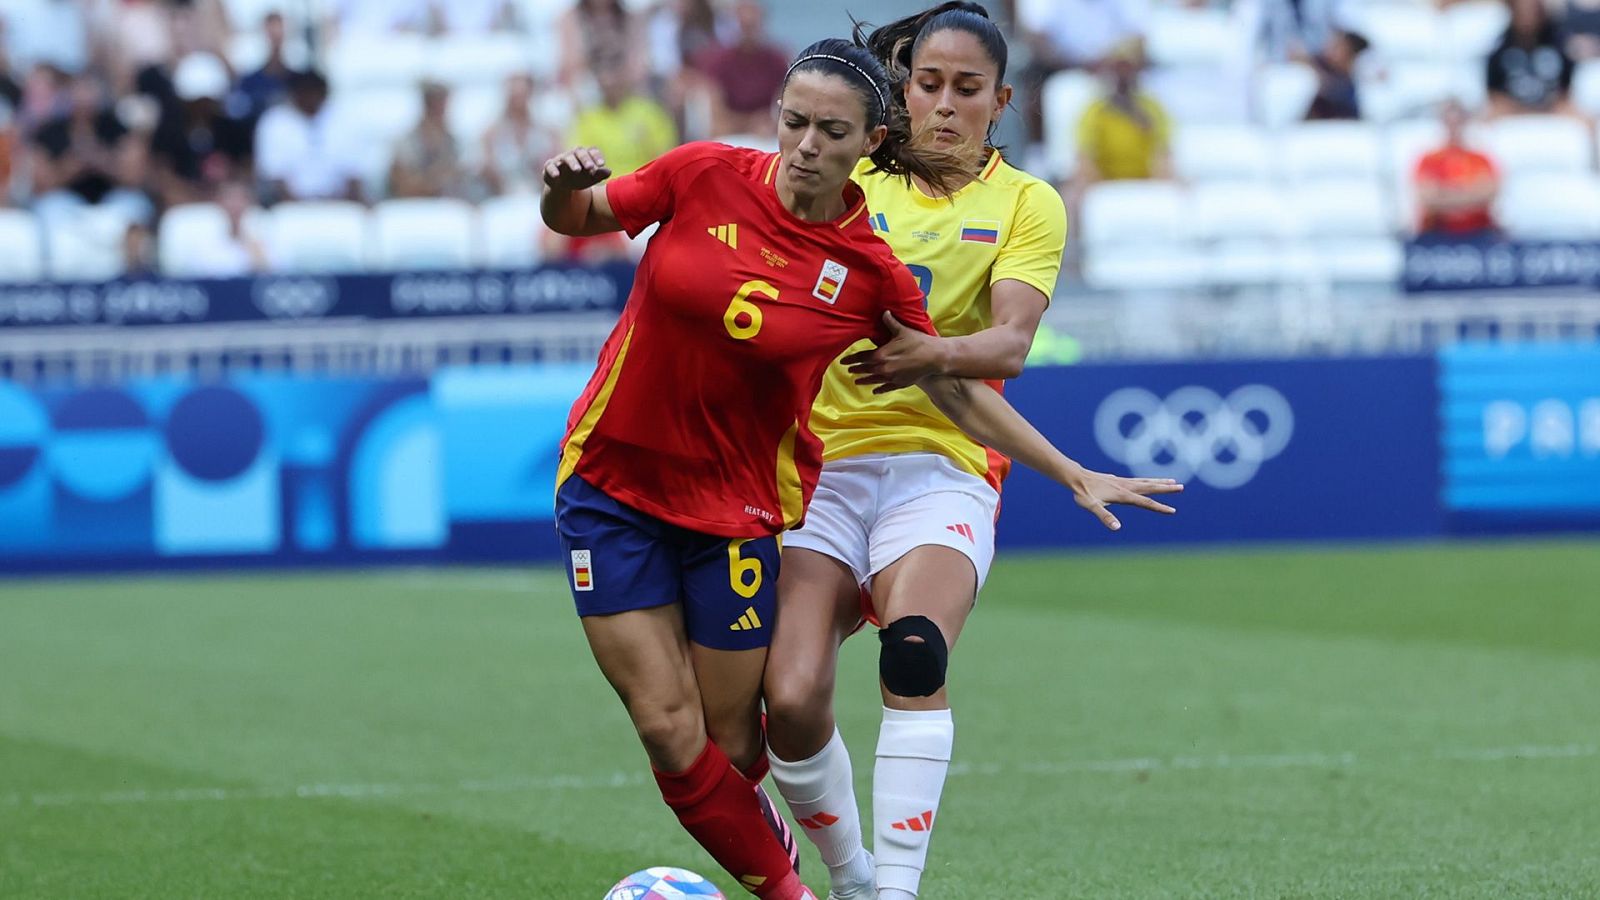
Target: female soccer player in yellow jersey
x,y
904,512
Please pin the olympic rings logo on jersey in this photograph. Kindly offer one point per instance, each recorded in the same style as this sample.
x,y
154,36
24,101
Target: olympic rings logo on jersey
x,y
1195,432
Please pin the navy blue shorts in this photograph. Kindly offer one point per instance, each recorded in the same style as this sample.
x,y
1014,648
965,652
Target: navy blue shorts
x,y
622,559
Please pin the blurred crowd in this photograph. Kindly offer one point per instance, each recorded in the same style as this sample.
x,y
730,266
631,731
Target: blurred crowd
x,y
133,107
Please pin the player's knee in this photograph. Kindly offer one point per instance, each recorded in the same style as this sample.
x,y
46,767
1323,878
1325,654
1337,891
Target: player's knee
x,y
795,695
670,732
914,657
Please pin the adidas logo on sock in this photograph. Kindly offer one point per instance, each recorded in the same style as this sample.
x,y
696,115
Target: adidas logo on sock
x,y
923,822
819,821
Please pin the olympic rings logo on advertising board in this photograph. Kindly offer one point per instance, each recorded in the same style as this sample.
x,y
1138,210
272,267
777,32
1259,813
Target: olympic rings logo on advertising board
x,y
1195,433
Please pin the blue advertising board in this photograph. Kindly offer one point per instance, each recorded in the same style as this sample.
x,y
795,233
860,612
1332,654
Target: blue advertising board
x,y
1521,432
1305,449
403,295
1436,264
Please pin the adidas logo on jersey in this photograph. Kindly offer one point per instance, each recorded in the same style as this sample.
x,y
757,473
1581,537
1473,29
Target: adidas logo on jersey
x,y
748,621
923,822
728,234
964,530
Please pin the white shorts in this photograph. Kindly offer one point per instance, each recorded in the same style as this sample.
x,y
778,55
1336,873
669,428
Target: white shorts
x,y
868,511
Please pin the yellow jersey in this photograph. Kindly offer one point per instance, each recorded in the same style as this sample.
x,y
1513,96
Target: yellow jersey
x,y
1119,145
1006,224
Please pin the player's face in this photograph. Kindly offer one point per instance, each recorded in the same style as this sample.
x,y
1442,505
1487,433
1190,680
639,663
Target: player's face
x,y
955,89
822,133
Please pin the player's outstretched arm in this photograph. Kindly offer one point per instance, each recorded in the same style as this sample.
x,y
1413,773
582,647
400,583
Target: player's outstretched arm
x,y
989,419
574,203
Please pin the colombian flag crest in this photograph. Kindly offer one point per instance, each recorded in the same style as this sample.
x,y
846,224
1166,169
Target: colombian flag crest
x,y
981,231
830,282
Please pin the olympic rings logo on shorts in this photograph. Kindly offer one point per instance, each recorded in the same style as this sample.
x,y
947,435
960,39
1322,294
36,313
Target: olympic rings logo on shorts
x,y
1195,433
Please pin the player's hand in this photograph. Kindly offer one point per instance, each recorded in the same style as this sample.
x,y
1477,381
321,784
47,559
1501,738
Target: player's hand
x,y
1097,490
908,357
576,169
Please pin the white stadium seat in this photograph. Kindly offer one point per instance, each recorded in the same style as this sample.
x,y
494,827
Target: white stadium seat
x,y
364,61
369,121
86,245
1243,228
1066,96
1283,93
1586,87
1405,143
1472,29
1415,89
247,51
1551,206
319,236
416,234
1346,232
1525,145
186,229
1136,237
481,60
510,229
23,259
1181,36
1317,150
1402,31
1221,152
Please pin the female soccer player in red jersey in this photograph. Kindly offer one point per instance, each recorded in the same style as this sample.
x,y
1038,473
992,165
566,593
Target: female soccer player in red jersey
x,y
906,503
690,449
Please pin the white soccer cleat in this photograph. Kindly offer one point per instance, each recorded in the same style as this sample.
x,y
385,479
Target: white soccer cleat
x,y
866,891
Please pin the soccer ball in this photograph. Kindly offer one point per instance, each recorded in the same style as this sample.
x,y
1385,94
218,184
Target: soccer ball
x,y
663,883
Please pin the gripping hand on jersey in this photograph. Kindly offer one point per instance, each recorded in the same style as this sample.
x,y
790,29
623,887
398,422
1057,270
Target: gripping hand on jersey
x,y
576,169
908,357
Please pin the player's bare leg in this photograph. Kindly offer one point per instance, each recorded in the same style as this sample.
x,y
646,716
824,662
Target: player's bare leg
x,y
819,604
646,656
923,599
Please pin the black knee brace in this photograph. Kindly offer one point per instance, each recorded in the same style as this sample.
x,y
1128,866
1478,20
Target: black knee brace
x,y
912,668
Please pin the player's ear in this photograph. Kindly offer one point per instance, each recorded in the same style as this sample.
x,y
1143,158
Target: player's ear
x,y
875,140
1002,99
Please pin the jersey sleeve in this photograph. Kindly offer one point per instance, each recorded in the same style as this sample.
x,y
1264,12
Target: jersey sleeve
x,y
1032,251
648,195
903,297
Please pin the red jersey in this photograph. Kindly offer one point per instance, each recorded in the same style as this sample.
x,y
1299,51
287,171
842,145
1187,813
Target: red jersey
x,y
1456,167
698,411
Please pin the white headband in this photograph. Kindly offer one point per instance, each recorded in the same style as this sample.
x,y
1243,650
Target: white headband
x,y
883,100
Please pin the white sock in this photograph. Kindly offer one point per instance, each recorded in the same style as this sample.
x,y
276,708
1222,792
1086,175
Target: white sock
x,y
821,794
913,758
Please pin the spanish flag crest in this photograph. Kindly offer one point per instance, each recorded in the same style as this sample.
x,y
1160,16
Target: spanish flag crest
x,y
830,282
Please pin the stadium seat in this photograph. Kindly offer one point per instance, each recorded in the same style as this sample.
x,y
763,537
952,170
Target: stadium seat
x,y
1243,228
1283,93
472,110
1405,143
1317,150
1066,96
1551,206
1402,32
483,60
319,236
1136,237
1586,87
86,245
1346,232
1221,152
23,259
247,50
1472,29
186,231
369,121
1179,36
510,229
423,234
1201,95
364,61
1528,145
1415,89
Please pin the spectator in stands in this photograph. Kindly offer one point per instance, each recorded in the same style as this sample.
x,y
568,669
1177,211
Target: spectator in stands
x,y
596,35
239,250
1530,72
8,146
1072,34
628,127
515,147
1456,186
1580,29
55,32
1125,134
269,84
747,75
87,157
471,17
46,94
427,160
699,28
1336,76
10,87
298,153
197,145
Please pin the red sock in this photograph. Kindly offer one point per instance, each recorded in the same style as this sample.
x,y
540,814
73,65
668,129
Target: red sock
x,y
716,806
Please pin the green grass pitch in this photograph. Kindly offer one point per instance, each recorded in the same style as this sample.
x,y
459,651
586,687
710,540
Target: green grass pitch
x,y
1334,723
